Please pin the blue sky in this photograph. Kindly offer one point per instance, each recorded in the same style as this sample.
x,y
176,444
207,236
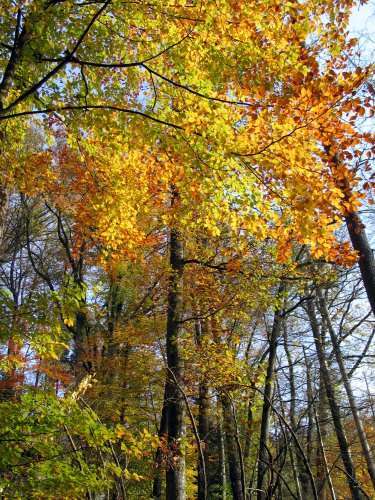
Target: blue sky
x,y
362,25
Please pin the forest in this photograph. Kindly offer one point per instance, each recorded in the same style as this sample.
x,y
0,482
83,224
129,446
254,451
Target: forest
x,y
187,272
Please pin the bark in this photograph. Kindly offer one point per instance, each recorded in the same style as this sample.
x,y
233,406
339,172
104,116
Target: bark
x,y
366,450
266,412
335,411
175,473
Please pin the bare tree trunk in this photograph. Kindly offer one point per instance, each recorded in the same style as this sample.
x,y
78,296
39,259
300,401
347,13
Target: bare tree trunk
x,y
175,474
366,450
335,411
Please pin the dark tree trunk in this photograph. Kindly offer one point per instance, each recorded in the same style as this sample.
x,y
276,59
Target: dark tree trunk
x,y
366,261
175,474
357,233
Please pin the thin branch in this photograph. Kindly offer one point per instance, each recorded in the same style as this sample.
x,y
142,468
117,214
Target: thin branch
x,y
105,107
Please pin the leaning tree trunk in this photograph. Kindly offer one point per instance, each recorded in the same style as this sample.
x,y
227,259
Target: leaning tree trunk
x,y
175,473
357,233
335,411
366,450
366,261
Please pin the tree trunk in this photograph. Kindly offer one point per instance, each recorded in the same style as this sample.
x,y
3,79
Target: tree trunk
x,y
366,261
357,233
335,411
175,474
